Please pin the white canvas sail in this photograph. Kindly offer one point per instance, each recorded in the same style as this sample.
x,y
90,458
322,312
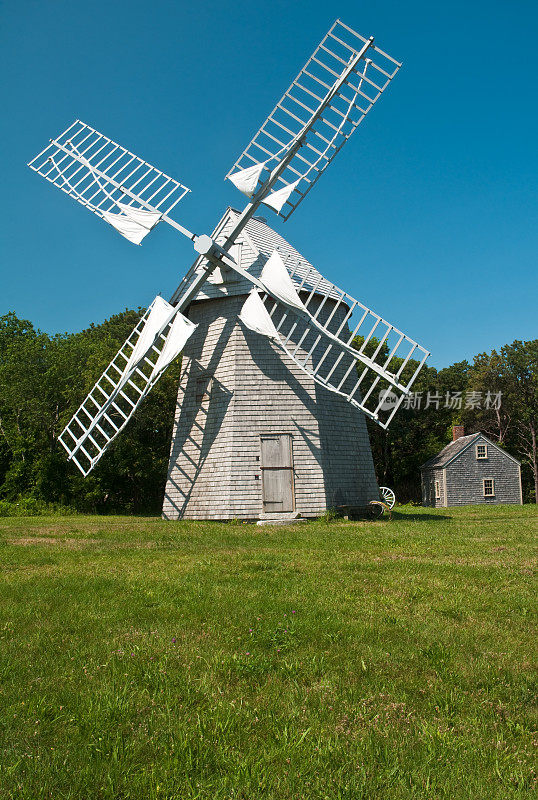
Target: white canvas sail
x,y
159,313
247,179
131,230
255,316
277,199
276,279
180,331
148,219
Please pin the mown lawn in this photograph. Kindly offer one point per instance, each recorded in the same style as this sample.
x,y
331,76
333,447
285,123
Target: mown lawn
x,y
148,659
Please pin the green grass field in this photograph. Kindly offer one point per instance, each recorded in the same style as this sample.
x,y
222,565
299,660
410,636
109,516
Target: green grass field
x,y
148,659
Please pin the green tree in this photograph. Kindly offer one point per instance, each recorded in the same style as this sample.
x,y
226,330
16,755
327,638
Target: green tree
x,y
508,381
43,380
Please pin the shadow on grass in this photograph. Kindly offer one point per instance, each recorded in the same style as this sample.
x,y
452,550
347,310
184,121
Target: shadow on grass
x,y
419,517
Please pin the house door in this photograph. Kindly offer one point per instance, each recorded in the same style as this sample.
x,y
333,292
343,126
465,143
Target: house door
x,y
277,472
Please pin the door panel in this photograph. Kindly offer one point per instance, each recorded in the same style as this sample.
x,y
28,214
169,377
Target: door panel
x,y
276,450
277,473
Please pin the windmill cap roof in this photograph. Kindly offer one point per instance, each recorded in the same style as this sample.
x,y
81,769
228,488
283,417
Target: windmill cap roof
x,y
260,242
266,240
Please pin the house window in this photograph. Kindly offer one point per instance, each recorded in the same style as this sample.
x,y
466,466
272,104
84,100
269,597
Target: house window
x,y
481,451
489,487
437,490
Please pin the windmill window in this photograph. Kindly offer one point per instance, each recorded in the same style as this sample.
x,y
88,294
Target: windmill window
x,y
203,388
489,487
481,451
437,490
222,275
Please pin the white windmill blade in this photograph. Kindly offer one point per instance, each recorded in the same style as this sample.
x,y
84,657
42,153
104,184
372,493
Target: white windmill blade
x,y
118,186
255,316
337,87
338,341
156,340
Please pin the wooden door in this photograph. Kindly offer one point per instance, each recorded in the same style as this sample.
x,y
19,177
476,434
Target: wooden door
x,y
277,472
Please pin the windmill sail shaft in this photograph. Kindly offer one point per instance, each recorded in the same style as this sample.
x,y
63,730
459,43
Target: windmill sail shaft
x,y
280,197
124,384
329,98
101,175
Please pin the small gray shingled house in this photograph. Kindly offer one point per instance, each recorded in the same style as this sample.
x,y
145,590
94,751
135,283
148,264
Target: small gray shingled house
x,y
471,470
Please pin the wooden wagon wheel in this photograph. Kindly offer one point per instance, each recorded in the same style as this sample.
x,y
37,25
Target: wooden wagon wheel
x,y
377,508
387,496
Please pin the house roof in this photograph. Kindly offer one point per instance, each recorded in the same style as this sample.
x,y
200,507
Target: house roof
x,y
449,452
258,241
455,449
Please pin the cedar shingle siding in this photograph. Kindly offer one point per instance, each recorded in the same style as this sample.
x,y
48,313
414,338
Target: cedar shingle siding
x,y
461,475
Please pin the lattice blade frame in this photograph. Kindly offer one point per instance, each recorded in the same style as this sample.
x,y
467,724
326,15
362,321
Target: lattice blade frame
x,y
97,421
299,104
348,348
98,173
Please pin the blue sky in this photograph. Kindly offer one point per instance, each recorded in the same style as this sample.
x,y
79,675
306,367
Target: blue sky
x,y
428,215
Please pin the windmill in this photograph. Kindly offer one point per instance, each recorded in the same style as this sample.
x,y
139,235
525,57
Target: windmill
x,y
280,366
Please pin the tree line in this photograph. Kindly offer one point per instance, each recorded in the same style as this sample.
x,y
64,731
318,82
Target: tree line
x,y
43,380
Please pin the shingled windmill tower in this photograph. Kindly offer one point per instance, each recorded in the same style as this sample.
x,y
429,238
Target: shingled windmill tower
x,y
254,435
279,364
